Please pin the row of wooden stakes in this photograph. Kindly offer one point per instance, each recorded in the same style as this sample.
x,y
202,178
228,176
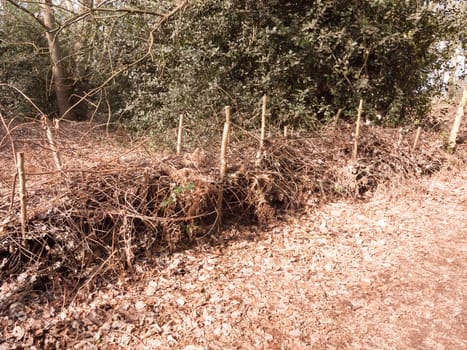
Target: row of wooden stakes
x,y
223,162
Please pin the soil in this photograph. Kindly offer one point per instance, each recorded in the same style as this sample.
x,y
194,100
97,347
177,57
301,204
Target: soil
x,y
386,273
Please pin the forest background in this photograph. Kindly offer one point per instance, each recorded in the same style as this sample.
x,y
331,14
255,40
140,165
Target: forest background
x,y
143,63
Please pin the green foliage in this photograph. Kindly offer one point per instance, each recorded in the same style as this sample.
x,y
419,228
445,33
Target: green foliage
x,y
23,61
177,191
311,57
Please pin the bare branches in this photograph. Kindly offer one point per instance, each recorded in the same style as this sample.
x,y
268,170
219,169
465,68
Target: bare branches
x,y
150,45
127,10
29,13
114,210
78,17
24,95
52,33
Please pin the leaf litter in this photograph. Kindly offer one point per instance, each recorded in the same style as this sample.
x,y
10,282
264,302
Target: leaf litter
x,y
341,272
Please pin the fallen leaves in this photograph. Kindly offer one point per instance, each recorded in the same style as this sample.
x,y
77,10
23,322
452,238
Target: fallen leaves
x,y
382,274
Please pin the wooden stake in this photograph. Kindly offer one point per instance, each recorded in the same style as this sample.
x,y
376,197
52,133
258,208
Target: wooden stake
x,y
13,150
457,121
222,168
263,129
22,193
227,120
357,131
225,141
336,117
52,144
285,131
417,137
180,135
263,122
227,114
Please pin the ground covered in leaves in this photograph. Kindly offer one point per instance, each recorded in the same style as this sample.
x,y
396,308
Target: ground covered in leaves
x,y
388,273
317,251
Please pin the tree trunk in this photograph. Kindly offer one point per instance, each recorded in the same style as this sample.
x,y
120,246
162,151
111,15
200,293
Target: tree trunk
x,y
58,70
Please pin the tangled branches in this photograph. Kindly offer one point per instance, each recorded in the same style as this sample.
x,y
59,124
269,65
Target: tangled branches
x,y
98,220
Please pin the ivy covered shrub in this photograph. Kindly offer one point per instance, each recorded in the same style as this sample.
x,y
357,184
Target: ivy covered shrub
x,y
311,57
23,63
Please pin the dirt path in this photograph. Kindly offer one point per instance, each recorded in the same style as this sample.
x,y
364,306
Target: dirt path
x,y
390,273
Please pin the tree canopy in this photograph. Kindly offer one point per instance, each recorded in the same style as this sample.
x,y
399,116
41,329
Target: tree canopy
x,y
144,63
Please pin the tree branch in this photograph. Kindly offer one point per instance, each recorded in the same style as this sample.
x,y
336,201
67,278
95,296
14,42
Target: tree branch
x,y
127,10
165,18
41,23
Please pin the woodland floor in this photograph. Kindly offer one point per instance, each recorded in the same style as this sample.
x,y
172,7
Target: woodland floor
x,y
385,272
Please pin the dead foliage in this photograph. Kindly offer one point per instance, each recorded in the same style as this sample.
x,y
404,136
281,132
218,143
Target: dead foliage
x,y
105,209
